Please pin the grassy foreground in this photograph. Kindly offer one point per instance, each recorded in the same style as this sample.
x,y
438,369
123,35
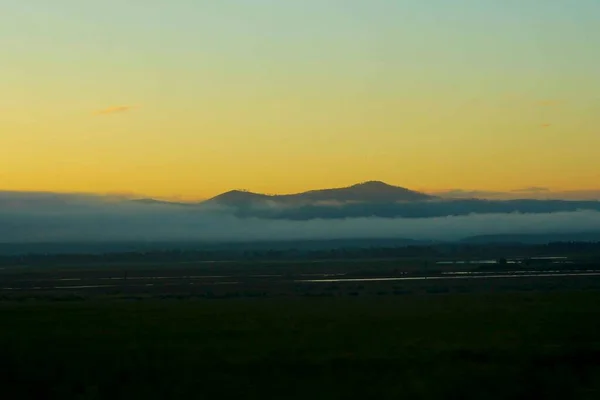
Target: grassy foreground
x,y
472,346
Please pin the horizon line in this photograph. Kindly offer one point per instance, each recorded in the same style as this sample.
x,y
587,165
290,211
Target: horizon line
x,y
521,193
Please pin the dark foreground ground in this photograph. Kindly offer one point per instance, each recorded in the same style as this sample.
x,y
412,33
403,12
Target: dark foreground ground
x,y
65,333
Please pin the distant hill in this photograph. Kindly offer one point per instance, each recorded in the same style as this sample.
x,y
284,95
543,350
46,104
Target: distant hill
x,y
229,247
541,238
239,198
371,192
372,199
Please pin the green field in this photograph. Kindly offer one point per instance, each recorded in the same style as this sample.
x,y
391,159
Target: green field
x,y
453,346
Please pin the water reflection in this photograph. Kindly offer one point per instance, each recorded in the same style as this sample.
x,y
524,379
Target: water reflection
x,y
517,260
447,277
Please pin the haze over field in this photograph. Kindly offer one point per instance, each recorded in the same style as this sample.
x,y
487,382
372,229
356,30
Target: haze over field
x,y
51,217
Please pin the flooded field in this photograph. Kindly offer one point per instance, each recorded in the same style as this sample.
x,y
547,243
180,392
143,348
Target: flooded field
x,y
457,275
517,260
294,279
387,328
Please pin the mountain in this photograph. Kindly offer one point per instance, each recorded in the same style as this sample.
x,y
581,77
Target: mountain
x,y
367,192
372,199
372,191
239,198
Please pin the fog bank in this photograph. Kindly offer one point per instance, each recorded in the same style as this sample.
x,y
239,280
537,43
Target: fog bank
x,y
55,218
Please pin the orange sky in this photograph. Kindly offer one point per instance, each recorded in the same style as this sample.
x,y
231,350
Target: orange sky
x,y
181,99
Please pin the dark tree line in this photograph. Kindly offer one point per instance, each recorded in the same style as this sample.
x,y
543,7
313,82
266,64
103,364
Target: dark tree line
x,y
232,253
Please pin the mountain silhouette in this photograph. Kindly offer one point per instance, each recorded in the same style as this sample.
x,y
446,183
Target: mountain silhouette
x,y
371,192
367,200
238,198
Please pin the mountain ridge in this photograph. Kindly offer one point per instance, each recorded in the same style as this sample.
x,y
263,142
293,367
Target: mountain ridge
x,y
369,191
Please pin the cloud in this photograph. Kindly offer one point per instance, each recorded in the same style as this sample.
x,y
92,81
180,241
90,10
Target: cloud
x,y
546,125
579,195
525,193
469,194
47,218
115,110
532,189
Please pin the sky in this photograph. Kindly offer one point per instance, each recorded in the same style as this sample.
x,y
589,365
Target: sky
x,y
190,98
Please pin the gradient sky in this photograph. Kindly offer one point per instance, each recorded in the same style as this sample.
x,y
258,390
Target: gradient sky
x,y
189,98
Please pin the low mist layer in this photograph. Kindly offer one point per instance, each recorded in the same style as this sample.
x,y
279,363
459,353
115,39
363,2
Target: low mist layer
x,y
43,217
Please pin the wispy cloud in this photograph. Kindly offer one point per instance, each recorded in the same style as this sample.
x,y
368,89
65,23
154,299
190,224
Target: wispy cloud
x,y
534,192
532,189
47,217
546,125
114,110
468,194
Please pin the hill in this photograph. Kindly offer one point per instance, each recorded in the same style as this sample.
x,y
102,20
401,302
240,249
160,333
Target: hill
x,y
367,192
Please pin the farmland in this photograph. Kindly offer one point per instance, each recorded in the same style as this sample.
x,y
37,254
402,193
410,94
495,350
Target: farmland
x,y
384,328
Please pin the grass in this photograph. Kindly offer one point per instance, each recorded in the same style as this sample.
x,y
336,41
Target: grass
x,y
516,345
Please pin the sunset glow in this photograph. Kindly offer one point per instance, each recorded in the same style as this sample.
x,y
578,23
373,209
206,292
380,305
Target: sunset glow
x,y
187,99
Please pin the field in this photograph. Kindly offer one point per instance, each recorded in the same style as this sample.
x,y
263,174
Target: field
x,y
267,330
